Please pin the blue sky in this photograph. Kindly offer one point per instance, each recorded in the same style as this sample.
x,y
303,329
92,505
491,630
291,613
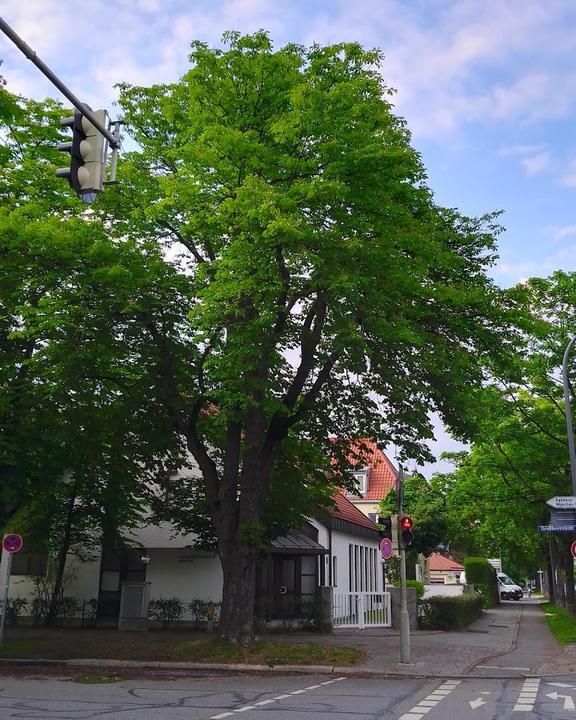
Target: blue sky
x,y
488,87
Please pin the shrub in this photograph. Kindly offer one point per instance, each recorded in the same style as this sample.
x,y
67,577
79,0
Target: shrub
x,y
482,575
166,610
416,584
450,613
204,611
15,607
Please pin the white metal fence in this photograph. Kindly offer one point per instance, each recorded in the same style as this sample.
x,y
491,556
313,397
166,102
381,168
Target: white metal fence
x,y
361,610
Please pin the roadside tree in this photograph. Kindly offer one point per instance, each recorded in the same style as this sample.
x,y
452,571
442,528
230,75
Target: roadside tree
x,y
329,294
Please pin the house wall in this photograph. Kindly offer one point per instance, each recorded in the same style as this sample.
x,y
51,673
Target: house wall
x,y
182,574
83,585
366,507
346,547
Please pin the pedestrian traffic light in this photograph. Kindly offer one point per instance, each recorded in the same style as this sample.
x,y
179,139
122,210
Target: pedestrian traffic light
x,y
87,155
406,533
385,524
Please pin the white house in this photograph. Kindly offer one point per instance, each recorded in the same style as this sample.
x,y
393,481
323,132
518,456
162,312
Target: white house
x,y
338,548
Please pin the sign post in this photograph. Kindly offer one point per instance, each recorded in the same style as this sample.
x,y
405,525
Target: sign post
x,y
11,544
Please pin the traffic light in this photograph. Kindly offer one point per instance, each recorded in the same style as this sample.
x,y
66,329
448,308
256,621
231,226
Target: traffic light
x,y
87,155
406,533
385,526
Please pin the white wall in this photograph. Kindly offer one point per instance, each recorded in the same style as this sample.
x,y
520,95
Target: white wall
x,y
84,585
185,575
340,549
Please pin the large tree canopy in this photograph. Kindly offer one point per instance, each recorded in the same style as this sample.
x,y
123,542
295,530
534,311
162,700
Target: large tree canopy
x,y
329,294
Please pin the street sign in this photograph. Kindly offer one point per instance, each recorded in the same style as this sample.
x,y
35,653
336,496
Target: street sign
x,y
386,548
573,549
12,543
556,528
562,502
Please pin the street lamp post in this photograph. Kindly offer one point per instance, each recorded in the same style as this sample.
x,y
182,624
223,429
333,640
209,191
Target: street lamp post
x,y
568,413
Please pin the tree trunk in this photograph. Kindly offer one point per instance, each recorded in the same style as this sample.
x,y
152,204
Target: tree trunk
x,y
239,564
52,613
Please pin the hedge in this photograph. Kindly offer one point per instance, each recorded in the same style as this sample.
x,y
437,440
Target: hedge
x,y
482,575
449,613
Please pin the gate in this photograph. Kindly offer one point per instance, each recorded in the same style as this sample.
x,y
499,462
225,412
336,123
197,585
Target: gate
x,y
361,610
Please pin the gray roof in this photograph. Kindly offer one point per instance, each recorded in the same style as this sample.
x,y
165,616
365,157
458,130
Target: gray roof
x,y
298,543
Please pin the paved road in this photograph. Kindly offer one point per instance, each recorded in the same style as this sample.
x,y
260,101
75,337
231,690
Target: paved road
x,y
295,698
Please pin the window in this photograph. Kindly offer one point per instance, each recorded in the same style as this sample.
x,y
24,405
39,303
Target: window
x,y
25,563
334,571
361,482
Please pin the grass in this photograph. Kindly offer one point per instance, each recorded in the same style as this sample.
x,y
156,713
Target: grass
x,y
96,679
68,644
268,653
561,623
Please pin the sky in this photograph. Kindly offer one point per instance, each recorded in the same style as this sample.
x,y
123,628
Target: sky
x,y
487,87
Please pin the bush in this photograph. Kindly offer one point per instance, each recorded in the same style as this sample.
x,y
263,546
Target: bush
x,y
449,613
15,607
482,575
166,610
416,584
204,611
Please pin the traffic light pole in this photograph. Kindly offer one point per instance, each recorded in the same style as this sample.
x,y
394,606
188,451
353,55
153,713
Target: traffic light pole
x,y
404,615
55,80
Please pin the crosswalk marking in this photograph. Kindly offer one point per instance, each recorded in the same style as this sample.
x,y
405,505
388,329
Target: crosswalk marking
x,y
430,701
527,695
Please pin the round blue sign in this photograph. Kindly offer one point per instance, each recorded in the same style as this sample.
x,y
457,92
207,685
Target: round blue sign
x,y
12,543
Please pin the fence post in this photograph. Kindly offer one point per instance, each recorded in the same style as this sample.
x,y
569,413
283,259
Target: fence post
x,y
360,610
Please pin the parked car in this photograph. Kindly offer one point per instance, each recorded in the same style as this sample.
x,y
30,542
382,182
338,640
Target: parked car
x,y
508,589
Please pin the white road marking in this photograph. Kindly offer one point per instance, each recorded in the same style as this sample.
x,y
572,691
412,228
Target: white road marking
x,y
229,713
430,701
562,685
527,695
502,667
568,700
476,703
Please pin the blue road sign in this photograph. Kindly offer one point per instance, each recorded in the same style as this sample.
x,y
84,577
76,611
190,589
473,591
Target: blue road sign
x,y
556,528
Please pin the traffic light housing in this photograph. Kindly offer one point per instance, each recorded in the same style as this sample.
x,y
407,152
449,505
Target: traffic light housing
x,y
87,155
385,524
406,534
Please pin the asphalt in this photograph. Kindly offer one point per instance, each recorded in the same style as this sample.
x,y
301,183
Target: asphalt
x,y
511,640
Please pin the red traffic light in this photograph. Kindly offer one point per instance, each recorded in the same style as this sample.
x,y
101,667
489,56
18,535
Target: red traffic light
x,y
406,522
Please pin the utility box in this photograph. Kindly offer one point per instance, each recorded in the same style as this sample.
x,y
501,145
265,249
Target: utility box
x,y
134,601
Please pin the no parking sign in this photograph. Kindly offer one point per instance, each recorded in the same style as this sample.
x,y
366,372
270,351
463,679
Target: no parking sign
x,y
12,543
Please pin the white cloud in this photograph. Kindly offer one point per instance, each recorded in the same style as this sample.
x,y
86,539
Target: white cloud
x,y
536,164
561,232
568,177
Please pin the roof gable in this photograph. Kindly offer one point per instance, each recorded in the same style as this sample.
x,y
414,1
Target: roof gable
x,y
439,562
382,476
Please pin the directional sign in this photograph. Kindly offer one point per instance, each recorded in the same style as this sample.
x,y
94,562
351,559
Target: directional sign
x,y
556,528
562,502
386,548
12,543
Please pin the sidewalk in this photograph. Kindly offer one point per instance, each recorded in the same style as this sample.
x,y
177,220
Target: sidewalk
x,y
510,640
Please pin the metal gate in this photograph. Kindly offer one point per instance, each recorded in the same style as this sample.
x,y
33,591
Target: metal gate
x,y
361,610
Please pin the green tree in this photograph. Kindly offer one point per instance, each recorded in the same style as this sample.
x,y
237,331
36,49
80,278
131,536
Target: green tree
x,y
329,294
83,433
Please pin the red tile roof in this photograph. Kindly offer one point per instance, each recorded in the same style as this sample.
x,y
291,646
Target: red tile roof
x,y
346,511
439,562
383,475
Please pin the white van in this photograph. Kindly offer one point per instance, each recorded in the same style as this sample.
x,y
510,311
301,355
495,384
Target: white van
x,y
507,588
